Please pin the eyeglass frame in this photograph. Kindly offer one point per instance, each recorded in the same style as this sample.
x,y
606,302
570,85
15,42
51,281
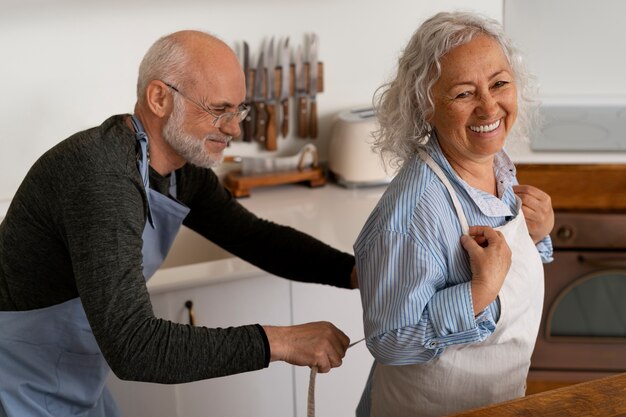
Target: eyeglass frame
x,y
226,116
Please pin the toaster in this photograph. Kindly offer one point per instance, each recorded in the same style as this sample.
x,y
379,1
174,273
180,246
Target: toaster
x,y
351,160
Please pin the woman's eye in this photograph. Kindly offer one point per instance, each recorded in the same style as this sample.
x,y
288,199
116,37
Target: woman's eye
x,y
499,84
464,94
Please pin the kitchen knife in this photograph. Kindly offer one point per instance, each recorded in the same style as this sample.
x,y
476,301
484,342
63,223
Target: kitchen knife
x,y
261,115
301,98
313,46
248,122
271,103
285,69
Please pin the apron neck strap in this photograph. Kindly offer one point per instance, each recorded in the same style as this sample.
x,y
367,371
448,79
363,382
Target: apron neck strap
x,y
142,138
455,200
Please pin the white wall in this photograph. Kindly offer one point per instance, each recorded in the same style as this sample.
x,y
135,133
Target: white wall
x,y
67,65
575,48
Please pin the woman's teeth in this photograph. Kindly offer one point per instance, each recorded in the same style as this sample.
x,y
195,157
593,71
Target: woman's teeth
x,y
485,128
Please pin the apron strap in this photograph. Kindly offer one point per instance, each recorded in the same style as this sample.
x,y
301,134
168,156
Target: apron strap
x,y
144,163
173,184
457,204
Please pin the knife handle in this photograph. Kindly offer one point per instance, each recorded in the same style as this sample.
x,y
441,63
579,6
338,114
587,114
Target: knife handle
x,y
270,140
285,126
303,129
248,125
261,122
313,119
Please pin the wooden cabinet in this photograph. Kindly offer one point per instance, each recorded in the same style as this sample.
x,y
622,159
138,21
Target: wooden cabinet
x,y
579,187
589,188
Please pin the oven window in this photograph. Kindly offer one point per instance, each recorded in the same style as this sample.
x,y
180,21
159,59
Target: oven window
x,y
591,307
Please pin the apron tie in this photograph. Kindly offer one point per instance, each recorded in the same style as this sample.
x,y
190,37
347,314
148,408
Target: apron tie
x,y
310,406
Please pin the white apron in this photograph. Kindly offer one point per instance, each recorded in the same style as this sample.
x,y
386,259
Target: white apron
x,y
478,374
50,362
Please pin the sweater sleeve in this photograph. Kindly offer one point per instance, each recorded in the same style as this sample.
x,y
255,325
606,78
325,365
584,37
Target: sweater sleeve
x,y
103,220
277,249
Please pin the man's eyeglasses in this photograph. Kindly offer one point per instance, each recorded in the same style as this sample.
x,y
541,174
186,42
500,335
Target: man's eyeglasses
x,y
218,119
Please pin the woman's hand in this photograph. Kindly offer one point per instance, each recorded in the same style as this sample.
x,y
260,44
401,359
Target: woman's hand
x,y
490,260
537,209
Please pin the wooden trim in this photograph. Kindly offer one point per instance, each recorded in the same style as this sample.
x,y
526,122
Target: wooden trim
x,y
579,187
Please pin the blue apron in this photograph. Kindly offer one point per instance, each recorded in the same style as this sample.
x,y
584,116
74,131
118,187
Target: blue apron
x,y
50,362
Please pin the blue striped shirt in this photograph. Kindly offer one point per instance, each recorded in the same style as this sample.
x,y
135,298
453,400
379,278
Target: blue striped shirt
x,y
414,275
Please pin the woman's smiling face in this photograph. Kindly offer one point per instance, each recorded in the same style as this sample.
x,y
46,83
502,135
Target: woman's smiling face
x,y
475,101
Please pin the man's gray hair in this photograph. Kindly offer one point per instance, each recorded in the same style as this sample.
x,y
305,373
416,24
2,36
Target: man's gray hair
x,y
404,104
165,60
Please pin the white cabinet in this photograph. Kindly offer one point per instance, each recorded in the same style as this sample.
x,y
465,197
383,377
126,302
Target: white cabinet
x,y
278,391
337,393
265,300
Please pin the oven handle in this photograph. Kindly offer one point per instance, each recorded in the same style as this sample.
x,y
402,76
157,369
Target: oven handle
x,y
603,263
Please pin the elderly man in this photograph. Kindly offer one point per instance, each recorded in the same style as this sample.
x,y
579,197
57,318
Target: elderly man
x,y
95,217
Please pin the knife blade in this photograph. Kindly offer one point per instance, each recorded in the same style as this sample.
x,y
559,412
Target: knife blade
x,y
313,47
259,101
301,97
285,69
270,67
248,122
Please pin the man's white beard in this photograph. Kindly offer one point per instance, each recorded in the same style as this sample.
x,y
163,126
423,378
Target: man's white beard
x,y
192,149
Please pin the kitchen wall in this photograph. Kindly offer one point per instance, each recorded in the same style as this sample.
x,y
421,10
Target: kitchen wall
x,y
69,64
575,49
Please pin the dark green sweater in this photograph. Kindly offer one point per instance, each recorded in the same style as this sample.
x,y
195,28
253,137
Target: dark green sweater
x,y
74,229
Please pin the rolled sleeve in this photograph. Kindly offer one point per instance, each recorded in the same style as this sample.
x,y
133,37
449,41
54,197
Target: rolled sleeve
x,y
452,315
409,314
545,249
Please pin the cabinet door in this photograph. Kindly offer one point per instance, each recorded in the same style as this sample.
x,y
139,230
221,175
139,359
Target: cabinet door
x,y
337,393
269,392
138,399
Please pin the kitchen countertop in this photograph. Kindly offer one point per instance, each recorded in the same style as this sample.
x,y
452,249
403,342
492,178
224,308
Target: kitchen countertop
x,y
332,214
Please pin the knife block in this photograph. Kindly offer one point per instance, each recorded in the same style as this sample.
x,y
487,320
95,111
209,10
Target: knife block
x,y
239,185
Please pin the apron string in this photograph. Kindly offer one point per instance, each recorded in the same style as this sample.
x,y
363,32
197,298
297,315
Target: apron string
x,y
455,200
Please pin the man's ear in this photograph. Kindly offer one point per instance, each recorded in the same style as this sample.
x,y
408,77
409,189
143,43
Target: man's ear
x,y
159,98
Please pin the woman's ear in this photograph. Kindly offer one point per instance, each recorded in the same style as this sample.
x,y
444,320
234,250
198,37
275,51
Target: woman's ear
x,y
159,98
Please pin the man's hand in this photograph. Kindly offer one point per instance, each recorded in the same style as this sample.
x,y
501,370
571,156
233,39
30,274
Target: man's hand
x,y
318,344
490,260
537,209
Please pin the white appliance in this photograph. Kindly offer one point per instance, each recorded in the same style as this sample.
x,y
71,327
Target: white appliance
x,y
582,124
350,156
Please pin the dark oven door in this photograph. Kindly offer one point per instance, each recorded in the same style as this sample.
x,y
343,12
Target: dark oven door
x,y
583,328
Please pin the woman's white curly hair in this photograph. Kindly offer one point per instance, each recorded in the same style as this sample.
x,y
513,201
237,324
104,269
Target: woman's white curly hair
x,y
404,104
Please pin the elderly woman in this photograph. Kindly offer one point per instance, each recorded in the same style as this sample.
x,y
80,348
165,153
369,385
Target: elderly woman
x,y
450,260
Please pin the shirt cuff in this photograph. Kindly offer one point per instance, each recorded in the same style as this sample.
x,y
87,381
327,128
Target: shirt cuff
x,y
452,315
545,249
266,345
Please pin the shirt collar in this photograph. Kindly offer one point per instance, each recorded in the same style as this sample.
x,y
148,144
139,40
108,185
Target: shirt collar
x,y
488,204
